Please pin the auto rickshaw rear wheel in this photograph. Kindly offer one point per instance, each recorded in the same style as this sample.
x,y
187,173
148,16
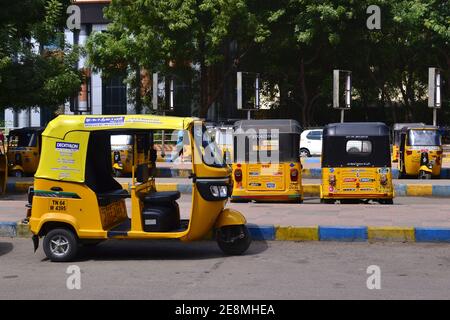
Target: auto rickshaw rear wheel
x,y
423,175
233,240
60,245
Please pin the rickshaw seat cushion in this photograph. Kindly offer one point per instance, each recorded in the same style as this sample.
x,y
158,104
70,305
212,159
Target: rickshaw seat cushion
x,y
106,198
162,197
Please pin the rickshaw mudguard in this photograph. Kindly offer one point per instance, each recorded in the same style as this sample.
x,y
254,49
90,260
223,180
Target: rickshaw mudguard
x,y
230,217
117,166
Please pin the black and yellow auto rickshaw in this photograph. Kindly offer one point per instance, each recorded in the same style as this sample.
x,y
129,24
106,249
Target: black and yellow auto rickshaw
x,y
396,130
3,164
356,163
420,152
266,164
24,150
76,200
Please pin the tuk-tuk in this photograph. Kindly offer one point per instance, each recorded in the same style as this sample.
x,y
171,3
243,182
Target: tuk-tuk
x,y
396,130
76,200
266,162
122,154
24,150
420,152
3,165
356,163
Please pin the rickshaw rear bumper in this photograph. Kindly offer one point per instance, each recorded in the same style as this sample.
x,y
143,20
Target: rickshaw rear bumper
x,y
358,196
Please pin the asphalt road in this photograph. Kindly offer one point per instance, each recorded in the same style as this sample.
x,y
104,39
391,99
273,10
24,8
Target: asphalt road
x,y
272,270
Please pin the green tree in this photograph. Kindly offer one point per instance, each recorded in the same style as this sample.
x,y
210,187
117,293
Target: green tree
x,y
37,68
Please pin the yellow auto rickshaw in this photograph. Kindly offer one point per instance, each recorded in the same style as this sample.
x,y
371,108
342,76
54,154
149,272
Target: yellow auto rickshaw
x,y
76,200
3,165
420,152
356,163
266,164
122,154
24,151
396,130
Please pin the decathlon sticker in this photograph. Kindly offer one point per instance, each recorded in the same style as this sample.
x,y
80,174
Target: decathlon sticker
x,y
67,146
104,121
57,205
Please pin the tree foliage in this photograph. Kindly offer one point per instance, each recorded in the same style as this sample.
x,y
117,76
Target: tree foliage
x,y
36,65
293,44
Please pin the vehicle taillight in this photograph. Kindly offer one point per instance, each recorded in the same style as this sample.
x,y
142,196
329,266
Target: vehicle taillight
x,y
332,179
383,179
294,174
409,153
238,175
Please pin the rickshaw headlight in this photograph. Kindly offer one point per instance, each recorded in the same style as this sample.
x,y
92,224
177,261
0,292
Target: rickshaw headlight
x,y
219,191
214,191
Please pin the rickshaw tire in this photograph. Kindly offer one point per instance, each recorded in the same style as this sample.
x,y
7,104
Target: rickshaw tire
x,y
240,200
386,201
239,246
306,151
72,241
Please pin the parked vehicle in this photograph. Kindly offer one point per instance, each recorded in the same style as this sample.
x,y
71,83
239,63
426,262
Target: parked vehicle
x,y
311,143
356,163
76,200
258,179
396,130
420,152
24,150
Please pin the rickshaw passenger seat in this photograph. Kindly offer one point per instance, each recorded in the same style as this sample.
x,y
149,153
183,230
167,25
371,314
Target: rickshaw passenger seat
x,y
161,197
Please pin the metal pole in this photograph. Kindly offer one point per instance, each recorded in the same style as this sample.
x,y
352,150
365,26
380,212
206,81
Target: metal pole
x,y
163,152
342,115
434,117
248,115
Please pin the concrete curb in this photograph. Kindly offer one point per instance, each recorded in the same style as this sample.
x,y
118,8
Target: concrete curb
x,y
308,233
310,190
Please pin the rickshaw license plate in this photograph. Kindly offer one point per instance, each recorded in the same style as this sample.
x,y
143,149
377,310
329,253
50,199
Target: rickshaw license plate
x,y
57,205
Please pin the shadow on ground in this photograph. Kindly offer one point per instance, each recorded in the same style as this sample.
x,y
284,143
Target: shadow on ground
x,y
158,250
5,248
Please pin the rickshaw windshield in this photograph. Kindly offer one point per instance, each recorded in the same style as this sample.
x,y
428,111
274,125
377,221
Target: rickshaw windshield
x,y
424,138
27,139
212,155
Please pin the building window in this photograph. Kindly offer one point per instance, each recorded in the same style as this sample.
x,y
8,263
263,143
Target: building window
x,y
114,96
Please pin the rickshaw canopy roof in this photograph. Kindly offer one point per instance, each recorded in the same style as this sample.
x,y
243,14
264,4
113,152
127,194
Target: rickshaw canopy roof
x,y
26,130
419,127
374,129
63,124
282,125
400,126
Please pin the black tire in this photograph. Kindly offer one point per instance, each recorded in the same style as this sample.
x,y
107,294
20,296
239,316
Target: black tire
x,y
424,175
239,200
350,201
327,201
386,201
305,153
67,247
234,240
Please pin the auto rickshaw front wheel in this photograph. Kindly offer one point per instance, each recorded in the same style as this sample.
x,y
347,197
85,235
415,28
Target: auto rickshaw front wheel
x,y
60,245
234,240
